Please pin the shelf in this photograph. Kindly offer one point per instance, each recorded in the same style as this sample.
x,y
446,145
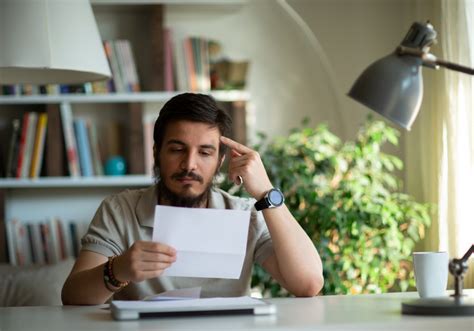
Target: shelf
x,y
169,2
67,182
225,96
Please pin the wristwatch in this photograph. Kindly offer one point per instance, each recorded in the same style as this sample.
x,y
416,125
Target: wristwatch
x,y
272,199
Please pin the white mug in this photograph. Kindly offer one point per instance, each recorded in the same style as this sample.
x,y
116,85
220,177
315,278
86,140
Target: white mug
x,y
431,273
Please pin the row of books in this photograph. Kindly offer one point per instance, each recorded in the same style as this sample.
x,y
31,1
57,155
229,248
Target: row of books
x,y
43,241
198,64
26,149
26,146
82,144
50,89
122,66
187,63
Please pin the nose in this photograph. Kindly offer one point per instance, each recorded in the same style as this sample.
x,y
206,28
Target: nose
x,y
189,162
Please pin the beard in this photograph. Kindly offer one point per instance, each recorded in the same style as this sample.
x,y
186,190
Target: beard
x,y
183,200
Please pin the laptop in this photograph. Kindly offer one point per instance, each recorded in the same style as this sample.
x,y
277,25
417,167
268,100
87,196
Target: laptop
x,y
133,310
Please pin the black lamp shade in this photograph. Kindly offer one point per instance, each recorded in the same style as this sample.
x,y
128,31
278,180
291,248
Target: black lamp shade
x,y
392,87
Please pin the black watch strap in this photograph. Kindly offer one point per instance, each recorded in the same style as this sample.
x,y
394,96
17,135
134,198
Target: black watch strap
x,y
262,204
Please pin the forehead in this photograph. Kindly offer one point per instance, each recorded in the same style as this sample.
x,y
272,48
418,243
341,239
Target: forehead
x,y
190,132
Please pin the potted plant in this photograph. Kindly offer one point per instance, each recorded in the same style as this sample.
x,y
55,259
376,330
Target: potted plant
x,y
348,200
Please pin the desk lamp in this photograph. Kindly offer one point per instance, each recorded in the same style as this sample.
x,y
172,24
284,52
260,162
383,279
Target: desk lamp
x,y
50,41
393,87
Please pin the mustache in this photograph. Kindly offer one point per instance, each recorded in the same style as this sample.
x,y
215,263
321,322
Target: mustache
x,y
190,174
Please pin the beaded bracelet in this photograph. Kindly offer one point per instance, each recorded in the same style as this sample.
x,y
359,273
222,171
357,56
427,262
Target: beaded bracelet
x,y
109,277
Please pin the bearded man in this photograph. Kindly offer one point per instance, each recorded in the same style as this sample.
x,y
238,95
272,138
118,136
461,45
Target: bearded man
x,y
190,135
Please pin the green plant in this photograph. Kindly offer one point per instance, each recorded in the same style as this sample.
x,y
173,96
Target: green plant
x,y
347,199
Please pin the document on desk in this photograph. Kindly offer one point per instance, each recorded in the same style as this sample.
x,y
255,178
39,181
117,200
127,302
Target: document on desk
x,y
210,243
178,294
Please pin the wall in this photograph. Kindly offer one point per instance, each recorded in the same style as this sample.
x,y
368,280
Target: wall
x,y
287,78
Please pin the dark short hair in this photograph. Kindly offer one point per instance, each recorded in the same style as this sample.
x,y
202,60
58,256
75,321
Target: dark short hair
x,y
191,107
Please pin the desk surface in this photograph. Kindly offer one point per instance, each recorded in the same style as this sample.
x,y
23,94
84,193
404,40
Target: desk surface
x,y
361,312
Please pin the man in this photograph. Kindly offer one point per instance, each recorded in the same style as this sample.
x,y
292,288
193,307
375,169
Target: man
x,y
190,140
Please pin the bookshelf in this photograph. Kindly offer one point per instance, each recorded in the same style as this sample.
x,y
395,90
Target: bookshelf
x,y
58,195
222,96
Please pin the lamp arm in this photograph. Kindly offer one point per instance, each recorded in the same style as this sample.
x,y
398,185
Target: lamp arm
x,y
468,253
318,49
432,61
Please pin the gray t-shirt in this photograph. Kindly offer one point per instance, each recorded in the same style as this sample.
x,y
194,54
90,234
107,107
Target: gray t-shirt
x,y
127,217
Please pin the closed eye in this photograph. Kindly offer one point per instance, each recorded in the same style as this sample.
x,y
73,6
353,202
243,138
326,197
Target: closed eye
x,y
206,153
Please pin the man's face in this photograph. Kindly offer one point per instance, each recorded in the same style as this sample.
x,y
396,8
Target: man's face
x,y
189,157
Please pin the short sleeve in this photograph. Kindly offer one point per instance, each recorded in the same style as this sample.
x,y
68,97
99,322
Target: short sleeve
x,y
264,244
104,235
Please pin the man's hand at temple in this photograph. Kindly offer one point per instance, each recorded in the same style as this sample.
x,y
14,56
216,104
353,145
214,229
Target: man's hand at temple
x,y
296,264
247,164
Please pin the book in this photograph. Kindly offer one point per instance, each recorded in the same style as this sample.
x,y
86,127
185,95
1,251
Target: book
x,y
22,145
168,61
12,156
197,61
133,81
10,226
189,62
55,143
120,56
114,66
180,60
45,242
54,245
205,66
84,150
95,149
66,238
29,144
70,140
36,242
38,150
22,247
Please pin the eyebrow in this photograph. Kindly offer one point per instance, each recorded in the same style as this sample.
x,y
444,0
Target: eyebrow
x,y
179,142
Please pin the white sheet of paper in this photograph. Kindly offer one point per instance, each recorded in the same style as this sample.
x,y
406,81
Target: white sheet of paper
x,y
178,294
210,243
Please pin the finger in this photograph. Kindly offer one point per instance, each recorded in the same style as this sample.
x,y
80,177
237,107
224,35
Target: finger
x,y
157,257
153,266
155,247
234,153
238,162
242,149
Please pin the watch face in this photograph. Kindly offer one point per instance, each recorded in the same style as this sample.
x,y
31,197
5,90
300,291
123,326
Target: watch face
x,y
275,197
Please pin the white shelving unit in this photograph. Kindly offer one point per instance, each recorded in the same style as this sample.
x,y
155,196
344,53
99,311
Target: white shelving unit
x,y
78,197
143,97
71,182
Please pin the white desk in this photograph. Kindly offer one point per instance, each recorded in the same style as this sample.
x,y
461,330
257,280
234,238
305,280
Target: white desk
x,y
362,312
